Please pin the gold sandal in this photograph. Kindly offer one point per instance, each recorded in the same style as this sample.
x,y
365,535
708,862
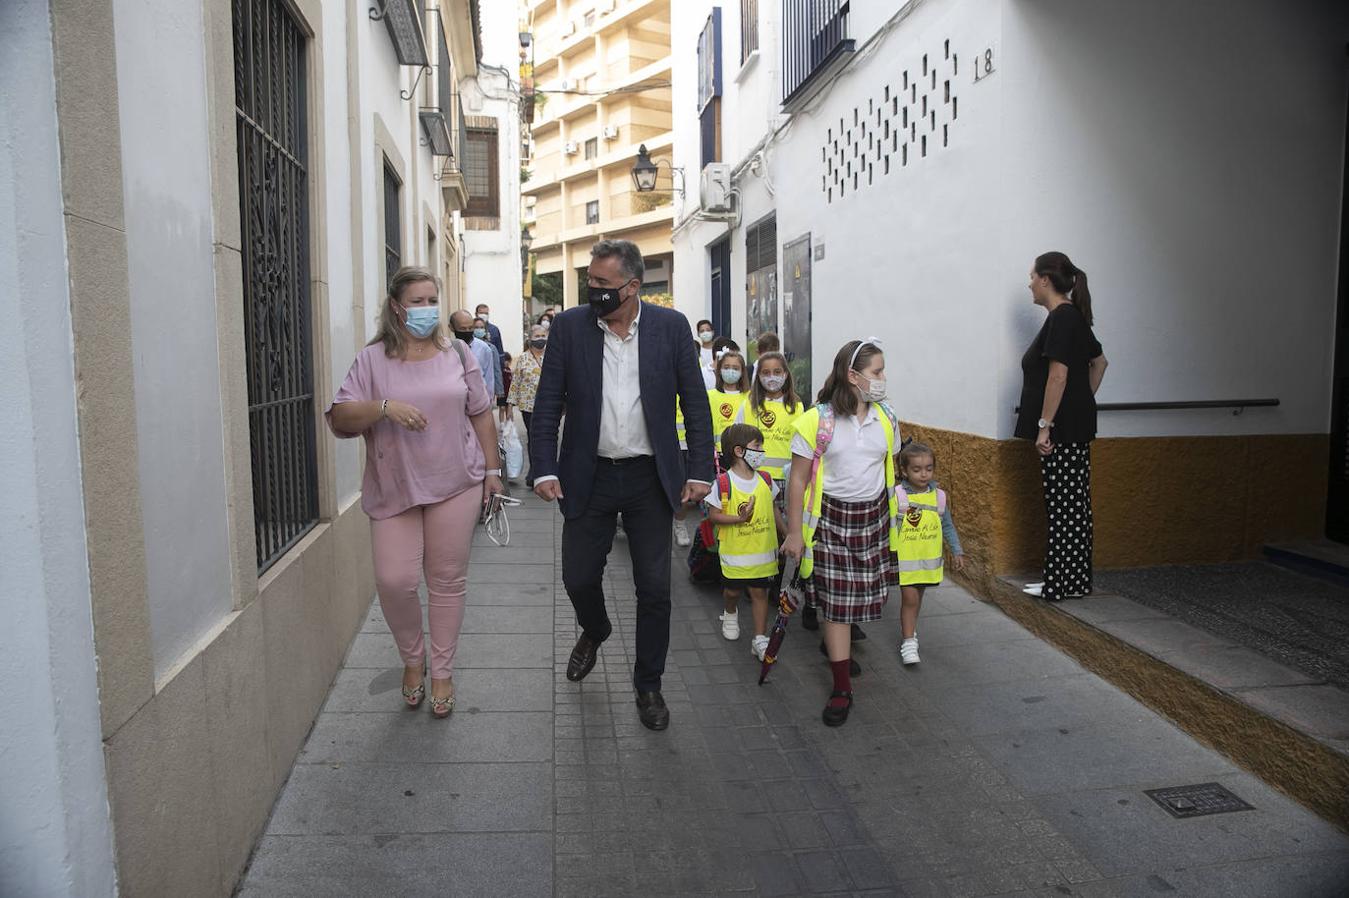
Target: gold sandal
x,y
441,707
413,697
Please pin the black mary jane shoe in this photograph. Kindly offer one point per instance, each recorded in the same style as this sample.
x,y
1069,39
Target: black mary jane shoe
x,y
810,618
651,709
858,634
834,716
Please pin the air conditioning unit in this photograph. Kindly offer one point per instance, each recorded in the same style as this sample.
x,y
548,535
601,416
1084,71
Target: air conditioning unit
x,y
611,132
715,190
571,148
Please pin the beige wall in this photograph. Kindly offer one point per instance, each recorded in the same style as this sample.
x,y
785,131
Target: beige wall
x,y
1176,500
195,761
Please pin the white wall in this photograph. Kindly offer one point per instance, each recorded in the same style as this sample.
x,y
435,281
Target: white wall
x,y
55,834
1203,198
1186,185
343,296
492,272
167,189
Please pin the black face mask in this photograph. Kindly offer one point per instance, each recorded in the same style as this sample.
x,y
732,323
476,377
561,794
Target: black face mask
x,y
539,343
466,336
604,300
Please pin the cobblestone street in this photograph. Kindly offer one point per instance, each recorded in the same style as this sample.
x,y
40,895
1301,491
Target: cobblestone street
x,y
998,766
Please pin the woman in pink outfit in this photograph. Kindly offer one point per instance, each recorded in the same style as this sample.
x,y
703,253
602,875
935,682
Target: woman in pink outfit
x,y
431,464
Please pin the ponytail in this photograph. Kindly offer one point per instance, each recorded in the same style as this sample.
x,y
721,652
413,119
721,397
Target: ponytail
x,y
1080,295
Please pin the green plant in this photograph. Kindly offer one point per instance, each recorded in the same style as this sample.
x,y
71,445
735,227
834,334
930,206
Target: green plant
x,y
524,175
645,202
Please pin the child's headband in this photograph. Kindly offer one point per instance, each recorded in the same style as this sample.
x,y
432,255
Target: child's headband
x,y
869,341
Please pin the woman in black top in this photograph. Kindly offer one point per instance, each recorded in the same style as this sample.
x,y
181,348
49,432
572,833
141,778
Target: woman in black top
x,y
1061,372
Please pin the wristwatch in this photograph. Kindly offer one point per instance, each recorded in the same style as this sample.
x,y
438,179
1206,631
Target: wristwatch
x,y
1043,424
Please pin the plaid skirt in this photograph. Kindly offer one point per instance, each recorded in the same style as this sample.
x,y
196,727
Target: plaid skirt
x,y
854,566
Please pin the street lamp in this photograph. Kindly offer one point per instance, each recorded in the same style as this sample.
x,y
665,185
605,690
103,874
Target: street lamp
x,y
644,172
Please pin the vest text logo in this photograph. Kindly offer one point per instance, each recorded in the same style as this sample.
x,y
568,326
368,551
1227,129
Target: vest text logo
x,y
914,516
769,418
727,410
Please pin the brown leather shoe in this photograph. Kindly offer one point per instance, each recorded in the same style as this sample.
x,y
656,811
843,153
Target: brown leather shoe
x,y
582,658
651,708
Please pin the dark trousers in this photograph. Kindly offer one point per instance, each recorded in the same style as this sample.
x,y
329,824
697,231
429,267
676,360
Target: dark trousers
x,y
634,491
529,478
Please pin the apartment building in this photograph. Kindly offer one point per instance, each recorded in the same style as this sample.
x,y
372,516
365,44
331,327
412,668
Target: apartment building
x,y
602,91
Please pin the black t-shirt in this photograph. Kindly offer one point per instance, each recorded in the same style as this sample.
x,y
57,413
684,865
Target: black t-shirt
x,y
1066,337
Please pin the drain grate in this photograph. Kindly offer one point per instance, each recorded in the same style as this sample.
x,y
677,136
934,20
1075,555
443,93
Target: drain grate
x,y
1199,800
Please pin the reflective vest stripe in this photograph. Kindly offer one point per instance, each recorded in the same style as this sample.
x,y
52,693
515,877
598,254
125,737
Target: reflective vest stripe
x,y
749,560
920,564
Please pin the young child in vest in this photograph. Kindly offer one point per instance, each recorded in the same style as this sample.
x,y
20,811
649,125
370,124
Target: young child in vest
x,y
842,507
773,406
926,525
749,527
728,395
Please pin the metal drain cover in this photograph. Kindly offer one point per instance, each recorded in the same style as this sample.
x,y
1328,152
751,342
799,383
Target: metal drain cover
x,y
1199,800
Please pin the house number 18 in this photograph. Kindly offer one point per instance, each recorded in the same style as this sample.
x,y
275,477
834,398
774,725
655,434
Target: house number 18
x,y
983,65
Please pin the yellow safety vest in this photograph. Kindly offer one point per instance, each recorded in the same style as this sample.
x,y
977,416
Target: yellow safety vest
x,y
724,407
775,423
749,551
808,425
679,425
920,540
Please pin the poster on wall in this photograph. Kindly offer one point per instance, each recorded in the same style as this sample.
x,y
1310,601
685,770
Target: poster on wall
x,y
761,301
796,314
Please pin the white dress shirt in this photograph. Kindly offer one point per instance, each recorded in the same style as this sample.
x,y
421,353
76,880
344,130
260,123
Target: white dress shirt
x,y
854,469
707,364
622,424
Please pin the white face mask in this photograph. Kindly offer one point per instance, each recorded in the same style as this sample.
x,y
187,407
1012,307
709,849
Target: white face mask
x,y
705,336
875,391
774,382
754,457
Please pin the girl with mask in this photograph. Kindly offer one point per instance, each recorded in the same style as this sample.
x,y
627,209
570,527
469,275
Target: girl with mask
x,y
748,526
842,511
705,357
420,401
773,407
727,393
525,382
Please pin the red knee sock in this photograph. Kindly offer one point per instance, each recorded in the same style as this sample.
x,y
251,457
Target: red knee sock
x,y
842,681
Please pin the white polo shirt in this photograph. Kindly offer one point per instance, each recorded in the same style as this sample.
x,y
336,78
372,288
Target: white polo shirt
x,y
855,460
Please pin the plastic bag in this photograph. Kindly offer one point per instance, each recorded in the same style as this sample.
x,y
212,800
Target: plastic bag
x,y
515,450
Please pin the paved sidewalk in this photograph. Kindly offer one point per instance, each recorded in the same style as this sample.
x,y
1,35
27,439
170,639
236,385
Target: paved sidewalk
x,y
999,766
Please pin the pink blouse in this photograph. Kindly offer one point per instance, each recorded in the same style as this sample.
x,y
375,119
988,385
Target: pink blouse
x,y
404,468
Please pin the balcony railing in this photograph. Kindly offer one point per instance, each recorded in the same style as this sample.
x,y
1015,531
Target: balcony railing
x,y
815,43
437,120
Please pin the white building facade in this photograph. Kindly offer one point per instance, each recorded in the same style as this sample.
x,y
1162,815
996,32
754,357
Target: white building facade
x,y
491,224
199,207
929,150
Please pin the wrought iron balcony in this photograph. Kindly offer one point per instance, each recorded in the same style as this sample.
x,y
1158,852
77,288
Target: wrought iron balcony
x,y
815,44
436,120
404,22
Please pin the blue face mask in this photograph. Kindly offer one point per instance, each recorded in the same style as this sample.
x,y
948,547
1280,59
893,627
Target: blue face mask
x,y
422,320
731,375
480,333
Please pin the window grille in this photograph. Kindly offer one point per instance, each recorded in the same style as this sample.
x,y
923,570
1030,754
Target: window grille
x,y
480,172
593,212
749,28
393,243
269,100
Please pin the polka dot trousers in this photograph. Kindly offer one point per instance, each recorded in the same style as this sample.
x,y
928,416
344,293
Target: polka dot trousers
x,y
1066,475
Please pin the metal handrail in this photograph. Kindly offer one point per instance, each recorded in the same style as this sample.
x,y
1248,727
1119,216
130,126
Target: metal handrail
x,y
1236,405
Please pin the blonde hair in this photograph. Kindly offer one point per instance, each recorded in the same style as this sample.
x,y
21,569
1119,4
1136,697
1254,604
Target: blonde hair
x,y
391,331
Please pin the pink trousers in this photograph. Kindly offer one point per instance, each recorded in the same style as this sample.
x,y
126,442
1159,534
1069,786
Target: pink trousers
x,y
434,539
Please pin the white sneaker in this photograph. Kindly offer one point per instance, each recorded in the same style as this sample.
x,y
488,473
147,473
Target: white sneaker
x,y
908,650
1033,589
730,625
1039,584
759,646
681,534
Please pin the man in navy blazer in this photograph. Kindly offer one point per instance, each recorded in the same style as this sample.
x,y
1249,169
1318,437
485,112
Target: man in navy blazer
x,y
615,367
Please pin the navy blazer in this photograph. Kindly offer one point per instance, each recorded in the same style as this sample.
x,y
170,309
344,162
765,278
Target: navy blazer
x,y
573,375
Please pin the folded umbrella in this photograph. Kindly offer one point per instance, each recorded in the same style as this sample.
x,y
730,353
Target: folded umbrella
x,y
789,599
